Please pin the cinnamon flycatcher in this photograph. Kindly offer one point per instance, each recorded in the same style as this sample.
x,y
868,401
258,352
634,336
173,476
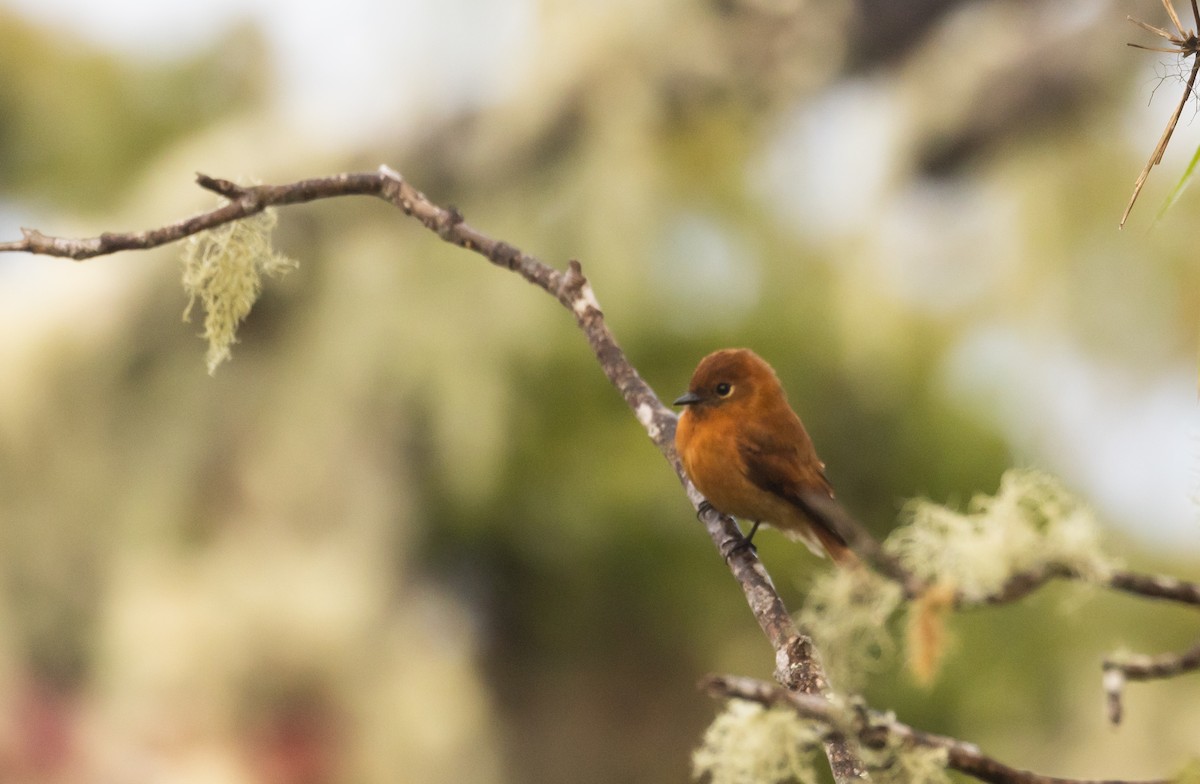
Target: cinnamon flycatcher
x,y
746,451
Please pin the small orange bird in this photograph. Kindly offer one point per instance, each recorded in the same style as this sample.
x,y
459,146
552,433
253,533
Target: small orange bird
x,y
745,449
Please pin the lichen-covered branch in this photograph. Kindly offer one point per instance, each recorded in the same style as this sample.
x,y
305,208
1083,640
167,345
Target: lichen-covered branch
x,y
243,202
1007,546
796,663
876,730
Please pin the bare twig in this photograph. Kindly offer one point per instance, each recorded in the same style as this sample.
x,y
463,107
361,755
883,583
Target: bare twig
x,y
796,664
1148,586
1117,668
877,730
1156,586
1127,667
1143,667
1186,44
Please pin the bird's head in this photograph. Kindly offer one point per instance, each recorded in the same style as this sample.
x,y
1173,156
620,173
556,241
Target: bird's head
x,y
731,377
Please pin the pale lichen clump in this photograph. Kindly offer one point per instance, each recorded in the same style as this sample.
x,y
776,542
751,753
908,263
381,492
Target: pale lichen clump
x,y
750,744
223,268
1030,523
846,612
901,762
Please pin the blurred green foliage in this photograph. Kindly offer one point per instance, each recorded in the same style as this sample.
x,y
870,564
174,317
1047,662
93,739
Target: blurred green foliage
x,y
71,112
411,532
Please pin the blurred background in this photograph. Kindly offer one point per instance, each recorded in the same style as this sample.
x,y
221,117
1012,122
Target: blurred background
x,y
410,533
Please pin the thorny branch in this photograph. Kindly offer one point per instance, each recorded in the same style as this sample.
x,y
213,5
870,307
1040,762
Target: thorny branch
x,y
797,668
1184,43
875,730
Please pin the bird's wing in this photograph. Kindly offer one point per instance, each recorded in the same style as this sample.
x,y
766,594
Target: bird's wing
x,y
786,465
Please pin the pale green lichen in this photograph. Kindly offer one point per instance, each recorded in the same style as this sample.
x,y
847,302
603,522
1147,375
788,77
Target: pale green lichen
x,y
901,762
1032,521
223,268
750,744
846,612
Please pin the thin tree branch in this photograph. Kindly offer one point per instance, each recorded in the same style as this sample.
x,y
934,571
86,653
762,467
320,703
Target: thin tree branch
x,y
1156,586
1020,585
876,730
243,202
1147,586
1143,667
796,664
1117,669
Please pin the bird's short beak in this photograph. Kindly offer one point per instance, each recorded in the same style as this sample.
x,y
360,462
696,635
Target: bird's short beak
x,y
688,399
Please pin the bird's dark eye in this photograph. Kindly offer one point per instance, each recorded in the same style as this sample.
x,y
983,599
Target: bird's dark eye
x,y
724,390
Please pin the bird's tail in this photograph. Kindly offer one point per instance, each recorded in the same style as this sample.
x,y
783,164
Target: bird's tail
x,y
836,546
822,541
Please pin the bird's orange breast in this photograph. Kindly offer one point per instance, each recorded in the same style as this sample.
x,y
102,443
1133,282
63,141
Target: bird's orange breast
x,y
708,448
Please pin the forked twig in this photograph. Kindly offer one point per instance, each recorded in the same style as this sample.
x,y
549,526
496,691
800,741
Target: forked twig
x,y
1143,667
1185,44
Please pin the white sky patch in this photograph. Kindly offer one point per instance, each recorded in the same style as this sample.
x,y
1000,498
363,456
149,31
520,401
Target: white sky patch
x,y
944,246
829,166
704,267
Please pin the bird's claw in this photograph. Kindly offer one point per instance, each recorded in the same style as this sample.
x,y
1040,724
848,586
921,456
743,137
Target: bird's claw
x,y
744,544
732,547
